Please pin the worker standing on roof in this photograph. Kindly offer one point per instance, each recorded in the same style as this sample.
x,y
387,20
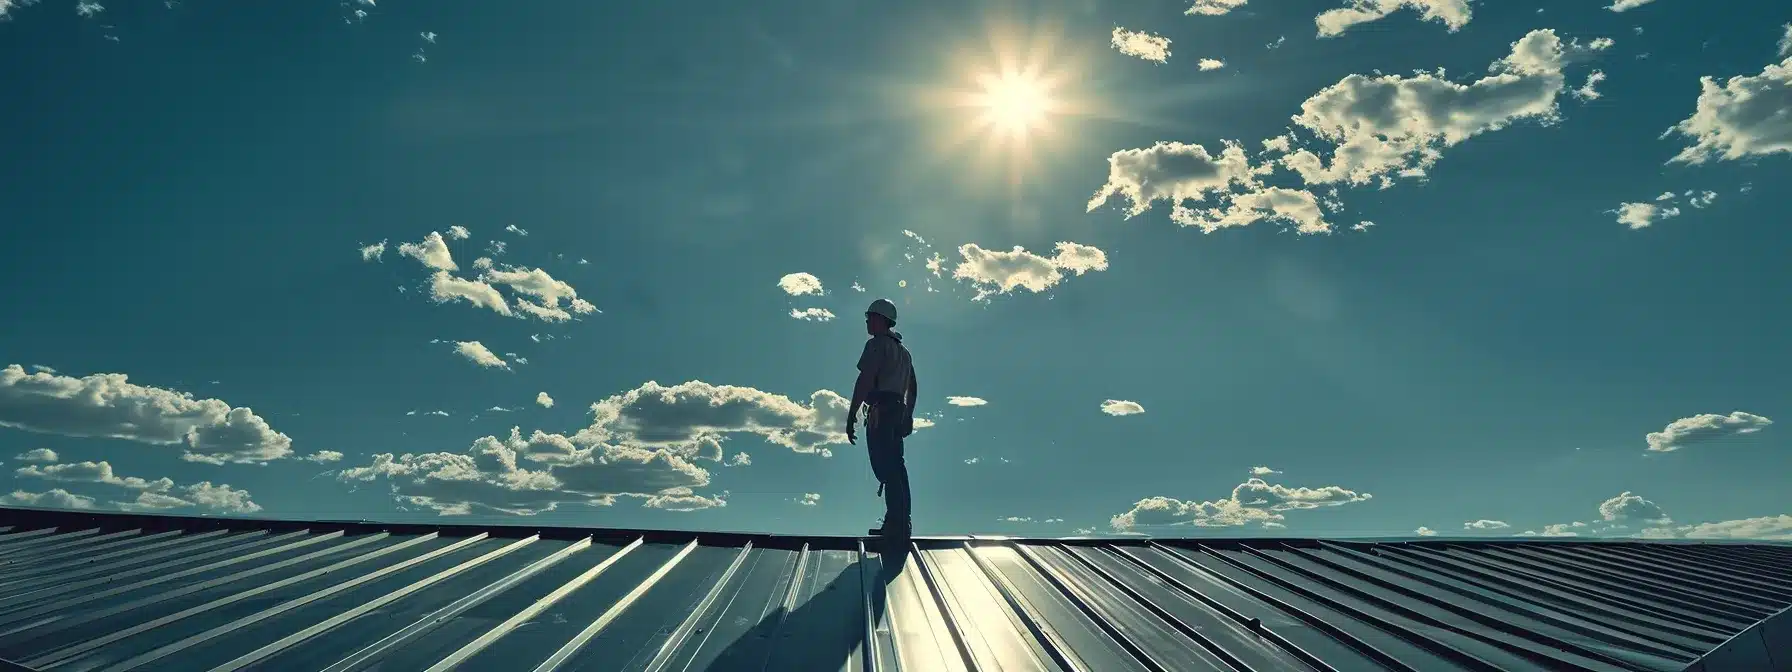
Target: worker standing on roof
x,y
886,387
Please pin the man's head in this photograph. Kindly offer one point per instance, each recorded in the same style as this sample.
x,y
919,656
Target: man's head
x,y
880,317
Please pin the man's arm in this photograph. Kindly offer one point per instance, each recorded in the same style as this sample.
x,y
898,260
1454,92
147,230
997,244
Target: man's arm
x,y
914,394
869,361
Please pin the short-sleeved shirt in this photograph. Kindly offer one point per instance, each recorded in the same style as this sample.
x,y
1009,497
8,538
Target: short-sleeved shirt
x,y
889,359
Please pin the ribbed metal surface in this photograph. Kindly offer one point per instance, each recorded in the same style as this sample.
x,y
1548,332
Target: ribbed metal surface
x,y
121,592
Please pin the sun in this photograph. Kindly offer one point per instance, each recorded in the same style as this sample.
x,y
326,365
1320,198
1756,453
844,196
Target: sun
x,y
1013,104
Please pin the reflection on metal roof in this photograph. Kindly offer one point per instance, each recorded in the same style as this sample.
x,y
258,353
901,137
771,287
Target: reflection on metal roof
x,y
86,591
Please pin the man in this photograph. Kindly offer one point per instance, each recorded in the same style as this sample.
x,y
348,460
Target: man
x,y
886,386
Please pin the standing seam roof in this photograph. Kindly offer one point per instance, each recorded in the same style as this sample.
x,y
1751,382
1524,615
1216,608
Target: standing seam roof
x,y
99,591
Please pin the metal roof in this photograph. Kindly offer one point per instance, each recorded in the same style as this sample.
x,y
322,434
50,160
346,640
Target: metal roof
x,y
102,591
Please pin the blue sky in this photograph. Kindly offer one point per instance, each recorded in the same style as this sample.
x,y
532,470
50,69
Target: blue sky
x,y
1561,318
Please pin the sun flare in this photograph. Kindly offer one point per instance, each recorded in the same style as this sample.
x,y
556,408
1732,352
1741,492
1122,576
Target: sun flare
x,y
1015,104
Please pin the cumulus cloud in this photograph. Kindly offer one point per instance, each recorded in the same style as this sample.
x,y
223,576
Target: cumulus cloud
x,y
525,476
482,263
544,400
812,314
1387,124
1739,118
1263,471
1181,173
1485,524
432,251
516,230
683,499
1142,45
37,455
1785,45
739,460
1207,64
477,353
965,401
108,405
1454,14
459,232
1120,407
324,457
1643,215
1627,508
1252,502
373,252
1586,91
55,499
1704,427
1765,527
809,499
159,493
993,272
1626,5
692,419
544,294
444,288
1425,531
798,284
1215,7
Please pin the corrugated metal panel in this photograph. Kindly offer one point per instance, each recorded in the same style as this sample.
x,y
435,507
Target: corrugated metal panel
x,y
128,592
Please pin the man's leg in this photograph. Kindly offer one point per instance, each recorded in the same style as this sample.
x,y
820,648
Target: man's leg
x,y
885,446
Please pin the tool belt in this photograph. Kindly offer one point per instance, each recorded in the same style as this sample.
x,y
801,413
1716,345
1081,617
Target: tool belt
x,y
889,407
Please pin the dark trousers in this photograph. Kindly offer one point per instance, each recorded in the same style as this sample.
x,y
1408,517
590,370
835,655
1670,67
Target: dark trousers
x,y
883,439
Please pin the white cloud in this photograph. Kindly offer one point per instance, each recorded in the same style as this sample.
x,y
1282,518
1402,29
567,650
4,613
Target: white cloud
x,y
490,476
1704,427
1586,91
993,272
1251,502
444,288
1627,508
1263,471
683,499
1454,14
497,247
1119,407
1743,117
428,36
1485,524
221,498
1386,124
37,455
1573,529
438,413
812,314
1425,532
108,405
373,252
57,499
1766,527
477,353
1701,200
544,400
432,251
459,232
513,229
1626,5
798,284
324,457
88,8
739,460
1785,45
1141,45
92,472
809,499
544,293
161,493
965,401
482,263
1643,215
1207,64
1364,225
1215,7
694,418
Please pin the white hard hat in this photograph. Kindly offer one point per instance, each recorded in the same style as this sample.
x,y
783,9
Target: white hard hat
x,y
883,307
